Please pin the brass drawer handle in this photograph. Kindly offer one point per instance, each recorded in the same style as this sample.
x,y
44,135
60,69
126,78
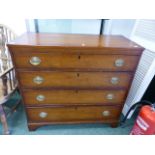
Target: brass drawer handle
x,y
106,113
43,114
35,61
40,98
119,63
110,96
38,80
114,80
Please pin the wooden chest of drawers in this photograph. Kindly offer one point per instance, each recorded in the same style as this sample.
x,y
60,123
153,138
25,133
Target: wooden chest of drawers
x,y
66,78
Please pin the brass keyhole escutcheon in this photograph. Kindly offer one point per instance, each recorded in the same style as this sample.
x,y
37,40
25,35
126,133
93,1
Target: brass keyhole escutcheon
x,y
76,108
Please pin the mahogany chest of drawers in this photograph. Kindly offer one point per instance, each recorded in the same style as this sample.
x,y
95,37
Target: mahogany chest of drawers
x,y
66,78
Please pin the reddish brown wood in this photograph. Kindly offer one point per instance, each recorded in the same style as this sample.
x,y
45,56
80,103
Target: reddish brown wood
x,y
69,97
70,41
114,125
59,79
77,113
34,125
75,61
71,63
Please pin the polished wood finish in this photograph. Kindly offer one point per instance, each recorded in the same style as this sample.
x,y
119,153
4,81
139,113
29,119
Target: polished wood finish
x,y
80,78
21,49
70,97
70,41
64,79
79,113
32,126
76,61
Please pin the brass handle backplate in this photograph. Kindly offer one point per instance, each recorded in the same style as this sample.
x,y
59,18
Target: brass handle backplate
x,y
114,80
40,98
35,61
106,113
43,114
110,96
38,80
119,63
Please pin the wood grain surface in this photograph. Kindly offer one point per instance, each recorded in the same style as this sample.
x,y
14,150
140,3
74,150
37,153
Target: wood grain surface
x,y
74,40
69,97
58,79
78,113
77,72
76,61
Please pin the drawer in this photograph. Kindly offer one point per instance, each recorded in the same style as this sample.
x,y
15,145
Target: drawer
x,y
56,79
69,114
69,97
76,61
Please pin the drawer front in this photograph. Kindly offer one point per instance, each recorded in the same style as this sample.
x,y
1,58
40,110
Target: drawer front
x,y
80,113
75,61
58,79
56,97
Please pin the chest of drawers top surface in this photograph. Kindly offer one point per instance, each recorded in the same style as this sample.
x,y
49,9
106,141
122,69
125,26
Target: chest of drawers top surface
x,y
76,40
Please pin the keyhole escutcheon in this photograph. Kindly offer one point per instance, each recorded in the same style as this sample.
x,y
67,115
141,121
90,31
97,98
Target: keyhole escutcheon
x,y
78,74
79,57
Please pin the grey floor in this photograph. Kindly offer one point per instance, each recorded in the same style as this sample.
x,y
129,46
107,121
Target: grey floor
x,y
18,125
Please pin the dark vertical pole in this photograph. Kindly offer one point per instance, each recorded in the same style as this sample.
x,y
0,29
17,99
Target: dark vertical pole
x,y
36,25
101,26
